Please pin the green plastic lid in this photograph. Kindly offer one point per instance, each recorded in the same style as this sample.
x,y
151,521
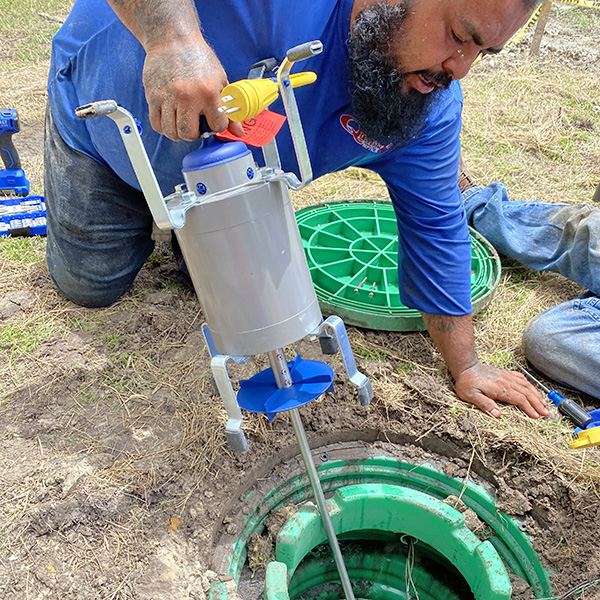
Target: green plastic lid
x,y
352,252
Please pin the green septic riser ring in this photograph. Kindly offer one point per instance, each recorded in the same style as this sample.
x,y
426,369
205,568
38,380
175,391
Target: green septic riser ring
x,y
375,576
388,508
352,253
504,534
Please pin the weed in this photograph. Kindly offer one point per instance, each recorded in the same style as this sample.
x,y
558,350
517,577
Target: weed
x,y
21,338
371,353
404,368
88,323
85,395
113,340
24,250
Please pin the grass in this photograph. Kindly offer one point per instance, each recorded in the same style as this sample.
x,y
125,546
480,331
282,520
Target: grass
x,y
371,354
24,337
545,149
26,29
583,18
23,250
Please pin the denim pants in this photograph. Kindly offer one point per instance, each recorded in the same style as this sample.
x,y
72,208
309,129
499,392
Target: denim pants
x,y
99,228
563,238
562,342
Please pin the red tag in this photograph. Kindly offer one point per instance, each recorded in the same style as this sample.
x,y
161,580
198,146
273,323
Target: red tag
x,y
258,131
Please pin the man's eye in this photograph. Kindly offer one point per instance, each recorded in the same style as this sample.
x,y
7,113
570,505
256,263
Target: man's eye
x,y
457,39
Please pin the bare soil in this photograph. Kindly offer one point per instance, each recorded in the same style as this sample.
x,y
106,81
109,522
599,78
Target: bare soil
x,y
115,478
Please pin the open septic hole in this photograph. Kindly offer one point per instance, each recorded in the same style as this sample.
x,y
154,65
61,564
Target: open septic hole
x,y
380,570
396,539
466,547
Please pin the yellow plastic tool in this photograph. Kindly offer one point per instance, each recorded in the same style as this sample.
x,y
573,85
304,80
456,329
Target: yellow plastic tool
x,y
586,438
247,98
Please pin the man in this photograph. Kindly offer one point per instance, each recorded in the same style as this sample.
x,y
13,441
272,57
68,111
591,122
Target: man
x,y
387,98
561,342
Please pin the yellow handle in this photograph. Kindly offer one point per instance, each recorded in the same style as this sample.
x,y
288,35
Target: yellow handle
x,y
586,438
304,78
247,98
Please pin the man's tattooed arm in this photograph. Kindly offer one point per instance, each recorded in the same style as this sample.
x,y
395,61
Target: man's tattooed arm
x,y
453,337
183,78
154,21
475,382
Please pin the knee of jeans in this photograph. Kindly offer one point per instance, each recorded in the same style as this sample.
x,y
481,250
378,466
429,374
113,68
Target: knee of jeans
x,y
547,343
479,199
534,340
86,295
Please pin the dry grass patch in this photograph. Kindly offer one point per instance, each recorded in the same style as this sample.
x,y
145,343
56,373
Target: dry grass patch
x,y
535,128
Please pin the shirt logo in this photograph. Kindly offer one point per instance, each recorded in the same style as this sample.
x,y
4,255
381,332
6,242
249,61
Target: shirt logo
x,y
352,126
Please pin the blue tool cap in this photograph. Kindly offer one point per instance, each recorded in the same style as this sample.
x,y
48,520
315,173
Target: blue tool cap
x,y
595,422
213,152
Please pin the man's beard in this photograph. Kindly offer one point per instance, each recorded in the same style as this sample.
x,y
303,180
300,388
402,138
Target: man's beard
x,y
384,110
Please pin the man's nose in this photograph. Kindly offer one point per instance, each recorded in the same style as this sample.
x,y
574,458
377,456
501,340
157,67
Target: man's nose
x,y
460,62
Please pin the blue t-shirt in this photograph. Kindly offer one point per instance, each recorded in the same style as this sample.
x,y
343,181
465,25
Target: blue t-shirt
x,y
94,57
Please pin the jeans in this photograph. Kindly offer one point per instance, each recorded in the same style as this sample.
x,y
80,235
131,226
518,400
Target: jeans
x,y
563,238
99,228
562,342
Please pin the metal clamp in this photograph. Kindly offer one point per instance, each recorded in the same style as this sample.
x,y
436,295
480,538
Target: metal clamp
x,y
362,382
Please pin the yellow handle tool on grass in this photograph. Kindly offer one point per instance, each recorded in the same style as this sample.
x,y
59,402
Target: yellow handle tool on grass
x,y
586,438
247,98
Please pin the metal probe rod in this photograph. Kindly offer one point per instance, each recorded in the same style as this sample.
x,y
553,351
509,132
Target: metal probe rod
x,y
284,380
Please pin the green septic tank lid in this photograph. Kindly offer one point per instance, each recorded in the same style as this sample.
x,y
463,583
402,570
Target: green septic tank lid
x,y
352,252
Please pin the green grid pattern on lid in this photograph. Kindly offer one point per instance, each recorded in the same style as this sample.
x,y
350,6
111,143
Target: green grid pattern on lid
x,y
352,252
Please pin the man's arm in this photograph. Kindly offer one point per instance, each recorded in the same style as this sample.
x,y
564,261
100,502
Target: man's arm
x,y
183,77
475,382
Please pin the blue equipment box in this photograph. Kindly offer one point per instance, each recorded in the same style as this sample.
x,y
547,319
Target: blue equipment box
x,y
23,216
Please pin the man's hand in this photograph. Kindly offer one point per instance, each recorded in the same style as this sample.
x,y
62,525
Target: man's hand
x,y
481,385
183,77
476,383
182,82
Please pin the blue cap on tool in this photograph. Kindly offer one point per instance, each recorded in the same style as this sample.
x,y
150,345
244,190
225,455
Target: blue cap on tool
x,y
213,152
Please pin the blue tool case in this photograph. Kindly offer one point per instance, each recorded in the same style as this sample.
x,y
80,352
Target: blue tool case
x,y
23,216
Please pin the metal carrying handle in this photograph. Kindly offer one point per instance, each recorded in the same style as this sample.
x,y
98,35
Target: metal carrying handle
x,y
304,51
128,128
301,52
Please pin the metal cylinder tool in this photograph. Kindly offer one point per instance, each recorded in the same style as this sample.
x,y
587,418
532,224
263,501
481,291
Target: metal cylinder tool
x,y
238,234
263,297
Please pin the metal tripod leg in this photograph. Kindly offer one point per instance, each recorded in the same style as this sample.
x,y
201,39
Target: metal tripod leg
x,y
218,364
284,380
336,326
